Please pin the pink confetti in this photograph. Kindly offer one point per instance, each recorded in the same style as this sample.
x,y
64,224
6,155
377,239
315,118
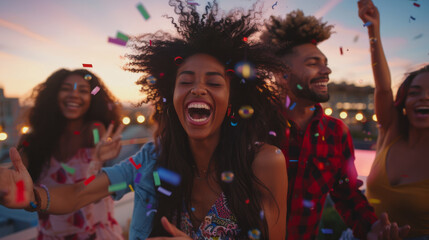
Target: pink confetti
x,y
272,133
287,101
95,90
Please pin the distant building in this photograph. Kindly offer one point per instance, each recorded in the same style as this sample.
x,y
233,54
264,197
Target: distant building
x,y
355,106
9,113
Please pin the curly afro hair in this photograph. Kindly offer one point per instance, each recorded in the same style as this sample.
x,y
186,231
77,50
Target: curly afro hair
x,y
295,30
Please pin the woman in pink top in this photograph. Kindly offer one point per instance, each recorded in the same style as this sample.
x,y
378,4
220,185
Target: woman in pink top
x,y
67,120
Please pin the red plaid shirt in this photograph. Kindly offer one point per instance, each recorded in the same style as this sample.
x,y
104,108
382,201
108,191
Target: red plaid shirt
x,y
320,160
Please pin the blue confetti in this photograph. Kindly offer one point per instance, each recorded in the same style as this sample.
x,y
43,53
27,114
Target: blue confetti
x,y
293,160
169,176
313,108
292,106
74,88
367,24
327,231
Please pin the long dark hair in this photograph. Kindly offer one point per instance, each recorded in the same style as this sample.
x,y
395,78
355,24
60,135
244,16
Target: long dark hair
x,y
47,123
401,97
224,39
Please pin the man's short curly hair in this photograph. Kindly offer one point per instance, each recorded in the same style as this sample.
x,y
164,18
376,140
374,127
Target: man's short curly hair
x,y
295,30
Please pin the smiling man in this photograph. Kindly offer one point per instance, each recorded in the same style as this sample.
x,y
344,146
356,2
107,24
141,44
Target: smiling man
x,y
319,149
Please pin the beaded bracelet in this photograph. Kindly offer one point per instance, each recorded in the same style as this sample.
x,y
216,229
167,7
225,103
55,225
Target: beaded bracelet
x,y
34,206
49,198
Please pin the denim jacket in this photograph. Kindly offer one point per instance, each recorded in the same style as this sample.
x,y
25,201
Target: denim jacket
x,y
145,194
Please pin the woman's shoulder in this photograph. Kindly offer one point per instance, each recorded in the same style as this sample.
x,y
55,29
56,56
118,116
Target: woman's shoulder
x,y
268,157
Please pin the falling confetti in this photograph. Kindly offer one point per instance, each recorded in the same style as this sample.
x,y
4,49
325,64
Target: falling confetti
x,y
87,181
156,178
87,65
292,106
416,4
131,187
164,191
254,234
68,169
246,111
418,36
313,108
87,77
367,24
327,231
272,133
299,87
247,201
122,36
374,201
169,176
143,11
227,176
117,41
151,211
287,102
95,90
356,38
20,191
95,135
274,5
138,177
134,164
413,18
293,160
117,187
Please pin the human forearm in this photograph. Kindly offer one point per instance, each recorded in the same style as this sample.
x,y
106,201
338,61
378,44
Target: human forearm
x,y
71,197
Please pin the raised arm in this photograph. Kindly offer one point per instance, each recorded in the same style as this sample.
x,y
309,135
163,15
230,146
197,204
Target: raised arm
x,y
17,186
270,167
383,96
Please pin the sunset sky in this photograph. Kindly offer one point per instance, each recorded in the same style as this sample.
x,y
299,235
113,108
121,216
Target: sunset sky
x,y
38,37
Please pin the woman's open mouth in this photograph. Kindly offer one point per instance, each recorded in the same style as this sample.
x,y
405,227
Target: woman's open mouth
x,y
198,113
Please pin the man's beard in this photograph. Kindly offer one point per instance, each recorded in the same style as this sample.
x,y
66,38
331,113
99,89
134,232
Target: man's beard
x,y
306,93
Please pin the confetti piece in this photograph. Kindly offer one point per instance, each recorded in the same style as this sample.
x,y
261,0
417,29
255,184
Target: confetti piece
x,y
122,36
299,87
156,178
247,201
274,5
327,231
164,191
278,151
117,187
151,211
313,41
272,133
245,39
164,99
313,108
178,60
169,176
254,234
149,206
138,177
413,18
150,42
356,38
117,41
143,11
262,214
87,77
131,187
134,164
227,176
75,85
95,90
418,36
293,160
234,124
374,201
308,203
20,191
87,65
87,181
192,3
288,123
287,101
246,111
95,135
193,209
76,132
33,205
367,24
292,106
416,4
341,50
316,134
68,169
243,81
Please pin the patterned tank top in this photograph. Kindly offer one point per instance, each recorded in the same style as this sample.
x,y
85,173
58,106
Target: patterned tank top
x,y
219,223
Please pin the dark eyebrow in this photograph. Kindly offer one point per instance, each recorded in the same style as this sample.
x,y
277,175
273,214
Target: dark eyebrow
x,y
317,59
207,74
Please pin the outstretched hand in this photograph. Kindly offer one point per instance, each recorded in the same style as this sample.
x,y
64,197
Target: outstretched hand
x,y
170,228
368,12
109,146
16,185
382,229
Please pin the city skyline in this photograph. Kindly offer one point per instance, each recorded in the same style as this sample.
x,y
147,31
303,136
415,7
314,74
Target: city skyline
x,y
41,37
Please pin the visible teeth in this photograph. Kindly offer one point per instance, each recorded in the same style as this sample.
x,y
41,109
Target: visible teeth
x,y
199,120
72,105
199,105
321,84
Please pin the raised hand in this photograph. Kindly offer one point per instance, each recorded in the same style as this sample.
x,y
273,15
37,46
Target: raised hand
x,y
176,233
109,146
368,12
16,186
383,229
